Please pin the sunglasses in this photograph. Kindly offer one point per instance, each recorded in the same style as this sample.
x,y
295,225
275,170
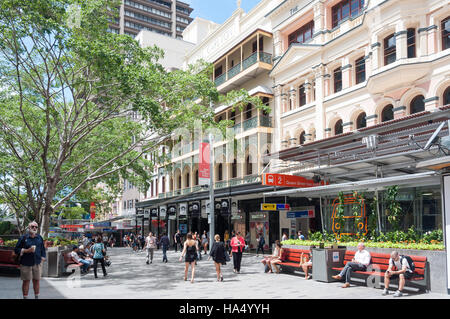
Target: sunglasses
x,y
35,227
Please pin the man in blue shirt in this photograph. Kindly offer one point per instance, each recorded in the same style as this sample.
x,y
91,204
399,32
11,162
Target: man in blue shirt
x,y
165,243
30,247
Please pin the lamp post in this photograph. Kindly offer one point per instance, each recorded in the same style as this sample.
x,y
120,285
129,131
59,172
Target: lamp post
x,y
211,186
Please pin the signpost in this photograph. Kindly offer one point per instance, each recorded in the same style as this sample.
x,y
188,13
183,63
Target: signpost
x,y
288,181
274,207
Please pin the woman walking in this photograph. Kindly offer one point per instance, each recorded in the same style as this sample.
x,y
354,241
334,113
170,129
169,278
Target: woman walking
x,y
218,255
99,256
190,253
205,242
237,247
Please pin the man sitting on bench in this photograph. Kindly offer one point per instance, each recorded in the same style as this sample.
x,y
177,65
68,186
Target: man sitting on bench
x,y
358,263
403,271
78,259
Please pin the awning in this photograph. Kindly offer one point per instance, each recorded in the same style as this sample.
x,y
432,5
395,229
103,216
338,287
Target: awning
x,y
419,179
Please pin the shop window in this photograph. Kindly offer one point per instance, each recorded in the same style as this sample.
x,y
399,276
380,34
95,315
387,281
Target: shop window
x,y
346,9
361,121
302,95
445,27
387,114
390,52
302,35
249,167
411,41
360,70
417,104
338,128
337,78
446,96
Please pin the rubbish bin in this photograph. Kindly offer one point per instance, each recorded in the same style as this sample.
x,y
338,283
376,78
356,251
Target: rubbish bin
x,y
52,263
324,259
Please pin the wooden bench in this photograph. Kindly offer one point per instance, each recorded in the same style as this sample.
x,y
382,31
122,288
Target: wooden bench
x,y
70,265
379,263
292,258
7,259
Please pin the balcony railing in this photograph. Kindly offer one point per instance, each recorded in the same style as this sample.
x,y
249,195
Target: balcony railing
x,y
250,123
265,121
250,61
220,79
235,70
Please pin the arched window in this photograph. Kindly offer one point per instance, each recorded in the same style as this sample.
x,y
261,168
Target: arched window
x,y
411,41
188,180
219,172
179,182
361,121
338,129
171,184
234,169
302,139
302,95
387,114
164,184
390,51
249,167
417,104
445,27
446,97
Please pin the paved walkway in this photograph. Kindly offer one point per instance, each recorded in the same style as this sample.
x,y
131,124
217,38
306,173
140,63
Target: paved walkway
x,y
130,278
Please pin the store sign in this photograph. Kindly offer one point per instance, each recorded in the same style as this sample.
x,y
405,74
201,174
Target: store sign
x,y
162,210
258,216
172,211
288,181
274,207
194,209
302,213
183,210
204,164
146,213
225,207
154,213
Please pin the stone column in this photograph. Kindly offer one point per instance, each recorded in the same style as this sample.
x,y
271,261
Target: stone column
x,y
376,51
401,45
293,97
423,37
308,91
319,18
346,73
433,36
371,120
399,112
277,45
319,73
277,110
327,132
347,127
368,62
431,103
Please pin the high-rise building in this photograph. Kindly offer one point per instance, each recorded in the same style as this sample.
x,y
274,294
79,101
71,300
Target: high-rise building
x,y
167,17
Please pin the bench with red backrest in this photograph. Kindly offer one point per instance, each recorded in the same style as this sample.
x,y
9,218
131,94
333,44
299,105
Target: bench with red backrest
x,y
292,257
380,263
69,263
7,259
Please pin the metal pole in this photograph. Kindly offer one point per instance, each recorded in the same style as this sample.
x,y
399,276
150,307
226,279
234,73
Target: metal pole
x,y
211,186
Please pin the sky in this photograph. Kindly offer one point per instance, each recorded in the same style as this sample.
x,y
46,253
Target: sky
x,y
218,10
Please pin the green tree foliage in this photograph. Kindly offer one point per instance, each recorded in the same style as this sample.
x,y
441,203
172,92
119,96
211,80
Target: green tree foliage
x,y
80,105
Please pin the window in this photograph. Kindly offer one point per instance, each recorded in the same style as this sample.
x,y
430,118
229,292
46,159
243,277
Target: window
x,y
164,184
249,166
261,45
302,139
303,34
218,72
338,128
445,26
361,121
387,114
151,189
188,180
179,182
302,95
248,112
337,80
234,169
446,96
360,70
417,104
411,41
220,172
345,9
157,186
390,50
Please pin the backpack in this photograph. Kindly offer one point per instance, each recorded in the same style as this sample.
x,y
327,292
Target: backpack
x,y
411,264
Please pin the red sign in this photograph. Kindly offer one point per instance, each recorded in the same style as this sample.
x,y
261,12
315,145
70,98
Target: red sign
x,y
288,181
203,165
92,210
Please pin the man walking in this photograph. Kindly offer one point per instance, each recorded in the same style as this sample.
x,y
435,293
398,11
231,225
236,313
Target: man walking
x,y
177,240
30,247
150,245
165,243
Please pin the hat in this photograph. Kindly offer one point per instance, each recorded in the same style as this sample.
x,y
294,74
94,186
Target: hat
x,y
81,247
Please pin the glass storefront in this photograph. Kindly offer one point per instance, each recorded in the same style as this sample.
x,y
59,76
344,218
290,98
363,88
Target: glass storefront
x,y
259,225
420,207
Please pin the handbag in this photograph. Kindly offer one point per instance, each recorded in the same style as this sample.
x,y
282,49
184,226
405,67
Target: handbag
x,y
227,256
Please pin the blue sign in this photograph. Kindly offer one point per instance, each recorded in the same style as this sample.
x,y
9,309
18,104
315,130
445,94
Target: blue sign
x,y
301,214
283,207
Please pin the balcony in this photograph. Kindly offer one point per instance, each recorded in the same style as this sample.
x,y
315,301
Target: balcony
x,y
246,60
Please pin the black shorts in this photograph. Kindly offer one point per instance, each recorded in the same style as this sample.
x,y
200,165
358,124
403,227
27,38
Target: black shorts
x,y
408,275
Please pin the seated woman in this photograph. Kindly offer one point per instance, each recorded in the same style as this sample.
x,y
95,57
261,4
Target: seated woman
x,y
279,258
306,262
276,255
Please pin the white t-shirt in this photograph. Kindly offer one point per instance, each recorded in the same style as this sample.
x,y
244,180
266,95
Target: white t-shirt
x,y
75,256
362,257
400,264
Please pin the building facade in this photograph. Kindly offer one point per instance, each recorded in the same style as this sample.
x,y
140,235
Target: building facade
x,y
166,17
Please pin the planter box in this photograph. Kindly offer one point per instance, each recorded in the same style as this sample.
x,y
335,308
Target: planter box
x,y
437,260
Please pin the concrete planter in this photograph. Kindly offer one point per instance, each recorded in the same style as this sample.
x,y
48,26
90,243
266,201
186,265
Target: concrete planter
x,y
436,260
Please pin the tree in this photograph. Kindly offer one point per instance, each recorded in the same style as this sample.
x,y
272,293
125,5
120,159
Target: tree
x,y
80,105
